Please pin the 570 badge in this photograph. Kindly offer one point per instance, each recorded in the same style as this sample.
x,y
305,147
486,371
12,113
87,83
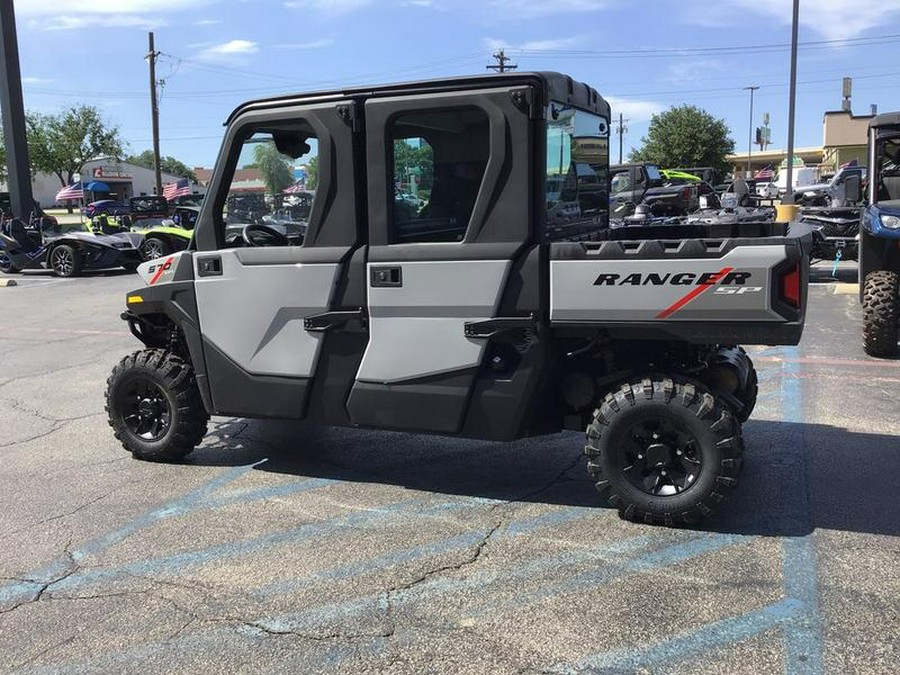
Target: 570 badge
x,y
157,270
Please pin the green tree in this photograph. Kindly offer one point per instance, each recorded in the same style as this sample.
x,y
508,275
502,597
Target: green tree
x,y
60,144
274,167
312,173
167,164
414,157
685,136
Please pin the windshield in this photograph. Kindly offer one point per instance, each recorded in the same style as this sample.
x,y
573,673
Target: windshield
x,y
577,171
887,189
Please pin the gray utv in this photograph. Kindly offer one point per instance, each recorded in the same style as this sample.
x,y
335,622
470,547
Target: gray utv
x,y
457,276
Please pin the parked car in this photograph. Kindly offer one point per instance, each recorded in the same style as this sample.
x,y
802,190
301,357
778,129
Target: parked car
x,y
632,184
148,207
170,234
109,207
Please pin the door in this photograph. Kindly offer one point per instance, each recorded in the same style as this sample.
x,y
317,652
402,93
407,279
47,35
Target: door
x,y
449,219
269,289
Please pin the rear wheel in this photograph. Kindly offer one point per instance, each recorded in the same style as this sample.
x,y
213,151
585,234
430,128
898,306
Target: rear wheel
x,y
65,260
154,406
154,247
6,265
664,451
881,305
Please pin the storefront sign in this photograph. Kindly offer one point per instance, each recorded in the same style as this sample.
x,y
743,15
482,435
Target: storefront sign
x,y
111,172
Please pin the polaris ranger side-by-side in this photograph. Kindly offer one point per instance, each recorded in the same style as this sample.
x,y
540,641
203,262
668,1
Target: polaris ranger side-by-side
x,y
473,313
879,261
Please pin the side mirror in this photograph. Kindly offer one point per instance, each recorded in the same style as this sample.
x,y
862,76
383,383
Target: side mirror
x,y
852,191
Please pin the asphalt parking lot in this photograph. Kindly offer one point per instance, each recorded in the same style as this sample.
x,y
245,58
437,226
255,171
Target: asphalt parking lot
x,y
282,549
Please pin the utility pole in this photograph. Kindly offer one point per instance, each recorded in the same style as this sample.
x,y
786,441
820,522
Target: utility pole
x,y
501,66
789,194
154,113
750,141
12,108
621,128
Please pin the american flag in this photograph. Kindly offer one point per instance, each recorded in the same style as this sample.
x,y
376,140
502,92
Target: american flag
x,y
300,186
766,173
71,192
178,189
852,162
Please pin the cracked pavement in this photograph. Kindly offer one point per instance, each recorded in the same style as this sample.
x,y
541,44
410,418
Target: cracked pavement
x,y
279,548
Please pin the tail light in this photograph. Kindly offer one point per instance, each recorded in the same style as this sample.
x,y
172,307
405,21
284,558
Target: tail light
x,y
687,194
790,286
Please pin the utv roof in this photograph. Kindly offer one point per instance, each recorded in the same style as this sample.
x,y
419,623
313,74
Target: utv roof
x,y
556,87
886,120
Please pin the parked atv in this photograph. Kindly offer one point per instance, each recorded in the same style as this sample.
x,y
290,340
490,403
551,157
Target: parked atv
x,y
476,316
171,235
835,232
39,245
879,259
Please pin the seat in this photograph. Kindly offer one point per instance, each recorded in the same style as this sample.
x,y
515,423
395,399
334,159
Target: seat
x,y
16,230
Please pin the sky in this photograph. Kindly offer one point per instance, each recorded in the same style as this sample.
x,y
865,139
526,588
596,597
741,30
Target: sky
x,y
642,56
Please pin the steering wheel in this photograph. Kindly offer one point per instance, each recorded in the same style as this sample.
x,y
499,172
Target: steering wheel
x,y
268,236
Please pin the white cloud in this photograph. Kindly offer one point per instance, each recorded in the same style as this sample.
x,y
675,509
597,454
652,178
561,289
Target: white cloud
x,y
831,19
227,50
332,7
83,7
36,80
634,110
530,8
207,22
694,70
314,44
108,21
534,45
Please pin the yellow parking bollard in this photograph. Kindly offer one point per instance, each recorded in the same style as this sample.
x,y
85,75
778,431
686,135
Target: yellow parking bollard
x,y
786,213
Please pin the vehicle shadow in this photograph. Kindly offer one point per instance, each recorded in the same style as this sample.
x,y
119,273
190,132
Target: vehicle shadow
x,y
796,477
823,273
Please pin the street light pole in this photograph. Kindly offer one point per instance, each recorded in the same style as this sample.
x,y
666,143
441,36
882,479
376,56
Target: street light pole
x,y
789,194
750,139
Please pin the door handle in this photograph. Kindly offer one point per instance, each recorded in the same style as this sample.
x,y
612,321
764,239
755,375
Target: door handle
x,y
209,266
320,323
386,277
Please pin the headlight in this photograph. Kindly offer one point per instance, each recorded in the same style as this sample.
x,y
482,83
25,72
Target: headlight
x,y
890,222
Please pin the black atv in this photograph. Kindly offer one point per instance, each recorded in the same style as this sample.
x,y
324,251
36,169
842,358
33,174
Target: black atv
x,y
41,245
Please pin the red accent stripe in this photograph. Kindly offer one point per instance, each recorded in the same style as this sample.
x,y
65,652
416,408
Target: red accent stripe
x,y
669,311
162,268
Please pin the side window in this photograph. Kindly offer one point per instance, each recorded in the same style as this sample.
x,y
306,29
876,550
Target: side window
x,y
439,159
272,187
578,172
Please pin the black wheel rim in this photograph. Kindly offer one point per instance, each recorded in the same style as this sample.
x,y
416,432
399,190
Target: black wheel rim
x,y
63,262
145,410
153,250
660,457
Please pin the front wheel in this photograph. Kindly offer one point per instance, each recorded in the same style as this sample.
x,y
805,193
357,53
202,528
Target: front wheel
x,y
664,451
65,260
154,406
881,306
153,248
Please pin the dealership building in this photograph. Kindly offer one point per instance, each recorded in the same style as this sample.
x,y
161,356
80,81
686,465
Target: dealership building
x,y
106,178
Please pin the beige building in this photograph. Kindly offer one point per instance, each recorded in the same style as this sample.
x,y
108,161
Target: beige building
x,y
844,138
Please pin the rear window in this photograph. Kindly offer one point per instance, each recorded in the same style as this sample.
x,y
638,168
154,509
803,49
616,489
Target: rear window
x,y
577,172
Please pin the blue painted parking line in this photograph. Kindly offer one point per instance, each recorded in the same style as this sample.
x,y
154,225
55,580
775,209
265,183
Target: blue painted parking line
x,y
802,639
678,648
608,557
395,558
318,530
